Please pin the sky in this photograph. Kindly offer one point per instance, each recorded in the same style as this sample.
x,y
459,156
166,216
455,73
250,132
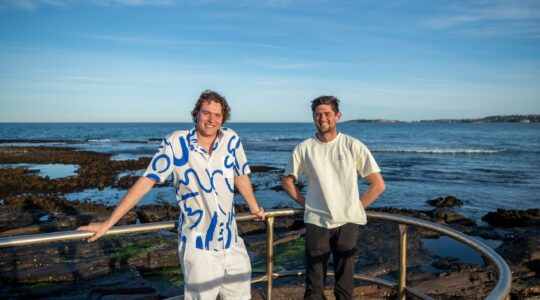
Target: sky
x,y
148,61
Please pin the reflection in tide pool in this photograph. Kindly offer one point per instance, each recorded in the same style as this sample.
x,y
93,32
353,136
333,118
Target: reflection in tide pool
x,y
447,247
110,196
53,171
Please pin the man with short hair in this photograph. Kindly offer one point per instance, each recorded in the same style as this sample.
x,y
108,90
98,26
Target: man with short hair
x,y
331,162
206,163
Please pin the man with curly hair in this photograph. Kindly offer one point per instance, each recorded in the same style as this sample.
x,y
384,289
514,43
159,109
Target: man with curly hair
x,y
206,163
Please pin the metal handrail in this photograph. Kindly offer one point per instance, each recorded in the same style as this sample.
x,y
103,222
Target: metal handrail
x,y
499,292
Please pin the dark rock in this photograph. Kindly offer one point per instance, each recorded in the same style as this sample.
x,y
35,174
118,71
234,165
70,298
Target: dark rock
x,y
76,261
421,214
470,282
534,265
95,267
241,208
258,169
447,264
157,213
250,228
448,201
62,214
32,229
10,219
161,258
378,248
451,217
513,218
520,250
126,182
279,188
85,217
255,242
96,170
295,290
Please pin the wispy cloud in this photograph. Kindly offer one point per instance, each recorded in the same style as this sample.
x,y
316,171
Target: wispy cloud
x,y
29,5
530,29
283,65
32,5
151,41
487,18
135,2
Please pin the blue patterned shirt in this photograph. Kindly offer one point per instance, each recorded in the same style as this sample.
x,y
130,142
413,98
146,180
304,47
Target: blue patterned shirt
x,y
204,185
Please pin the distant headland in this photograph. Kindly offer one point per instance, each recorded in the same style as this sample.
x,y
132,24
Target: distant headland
x,y
492,119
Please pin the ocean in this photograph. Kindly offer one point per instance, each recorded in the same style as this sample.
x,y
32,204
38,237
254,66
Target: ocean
x,y
488,166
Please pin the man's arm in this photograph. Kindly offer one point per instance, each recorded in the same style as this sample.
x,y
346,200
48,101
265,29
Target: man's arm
x,y
134,195
288,185
243,184
376,187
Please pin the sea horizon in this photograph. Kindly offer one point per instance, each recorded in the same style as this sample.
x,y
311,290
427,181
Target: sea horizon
x,y
378,121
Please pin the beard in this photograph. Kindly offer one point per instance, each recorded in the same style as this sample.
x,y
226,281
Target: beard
x,y
325,128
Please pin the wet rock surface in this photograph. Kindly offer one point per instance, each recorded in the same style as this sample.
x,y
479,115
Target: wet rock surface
x,y
146,266
96,170
513,218
52,270
256,169
448,201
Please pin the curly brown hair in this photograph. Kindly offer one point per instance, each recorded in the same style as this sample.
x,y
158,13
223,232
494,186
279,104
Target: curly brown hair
x,y
209,95
328,100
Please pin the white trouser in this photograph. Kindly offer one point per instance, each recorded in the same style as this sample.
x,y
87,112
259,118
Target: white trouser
x,y
209,273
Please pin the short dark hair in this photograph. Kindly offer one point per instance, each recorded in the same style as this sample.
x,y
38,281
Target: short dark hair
x,y
207,96
328,100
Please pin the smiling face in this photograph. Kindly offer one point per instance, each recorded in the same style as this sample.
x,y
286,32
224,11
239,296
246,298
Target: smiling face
x,y
209,119
325,119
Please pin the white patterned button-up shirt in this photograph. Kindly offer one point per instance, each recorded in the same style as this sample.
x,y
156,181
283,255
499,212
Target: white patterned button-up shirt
x,y
204,185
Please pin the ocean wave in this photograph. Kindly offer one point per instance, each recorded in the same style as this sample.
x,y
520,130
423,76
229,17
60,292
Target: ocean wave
x,y
276,139
98,141
439,151
38,141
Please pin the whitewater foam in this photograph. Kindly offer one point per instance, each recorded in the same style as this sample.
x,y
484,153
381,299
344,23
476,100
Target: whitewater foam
x,y
439,151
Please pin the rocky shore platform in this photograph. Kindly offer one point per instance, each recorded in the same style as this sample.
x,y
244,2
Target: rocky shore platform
x,y
145,266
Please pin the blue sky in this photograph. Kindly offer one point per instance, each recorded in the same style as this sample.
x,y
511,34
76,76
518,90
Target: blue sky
x,y
147,61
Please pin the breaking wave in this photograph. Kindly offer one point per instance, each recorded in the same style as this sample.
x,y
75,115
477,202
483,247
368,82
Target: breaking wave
x,y
439,151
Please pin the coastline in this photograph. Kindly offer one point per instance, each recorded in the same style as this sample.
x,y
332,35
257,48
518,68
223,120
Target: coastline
x,y
31,204
486,120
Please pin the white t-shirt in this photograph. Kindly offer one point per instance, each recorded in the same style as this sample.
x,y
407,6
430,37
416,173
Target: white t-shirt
x,y
332,170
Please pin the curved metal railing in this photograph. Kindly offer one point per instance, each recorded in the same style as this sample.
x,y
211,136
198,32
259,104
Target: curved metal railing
x,y
499,292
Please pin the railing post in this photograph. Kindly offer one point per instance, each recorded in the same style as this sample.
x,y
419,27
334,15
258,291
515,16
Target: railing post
x,y
402,261
269,255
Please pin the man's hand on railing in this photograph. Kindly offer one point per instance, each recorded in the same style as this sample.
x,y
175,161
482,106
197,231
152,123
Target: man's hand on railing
x,y
260,214
98,229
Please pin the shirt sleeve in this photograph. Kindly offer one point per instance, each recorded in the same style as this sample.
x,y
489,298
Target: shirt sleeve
x,y
241,166
294,166
365,162
161,165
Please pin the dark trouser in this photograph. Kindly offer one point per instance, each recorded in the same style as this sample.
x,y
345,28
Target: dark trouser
x,y
319,242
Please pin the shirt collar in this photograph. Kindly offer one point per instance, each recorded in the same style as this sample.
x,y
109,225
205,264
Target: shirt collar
x,y
193,142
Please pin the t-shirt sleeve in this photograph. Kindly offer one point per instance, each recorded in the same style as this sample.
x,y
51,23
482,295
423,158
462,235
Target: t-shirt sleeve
x,y
294,166
161,165
365,162
241,166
